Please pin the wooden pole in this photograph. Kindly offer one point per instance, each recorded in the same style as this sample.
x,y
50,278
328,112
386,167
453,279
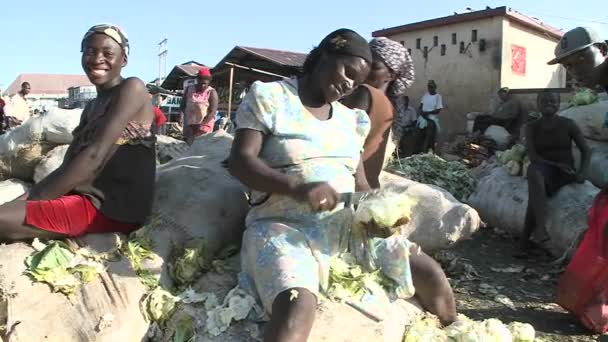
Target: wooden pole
x,y
230,92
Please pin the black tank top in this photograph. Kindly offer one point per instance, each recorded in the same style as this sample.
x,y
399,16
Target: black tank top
x,y
553,142
124,189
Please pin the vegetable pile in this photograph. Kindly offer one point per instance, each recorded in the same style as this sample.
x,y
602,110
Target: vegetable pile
x,y
515,160
452,176
465,329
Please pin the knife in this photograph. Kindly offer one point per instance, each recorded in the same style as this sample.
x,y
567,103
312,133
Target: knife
x,y
353,198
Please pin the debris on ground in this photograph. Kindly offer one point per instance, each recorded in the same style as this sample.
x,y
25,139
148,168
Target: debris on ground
x,y
236,307
428,168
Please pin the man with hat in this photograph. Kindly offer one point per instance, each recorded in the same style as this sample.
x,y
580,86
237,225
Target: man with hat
x,y
199,105
583,54
506,114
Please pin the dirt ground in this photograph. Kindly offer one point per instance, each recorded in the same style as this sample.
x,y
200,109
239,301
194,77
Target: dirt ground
x,y
490,283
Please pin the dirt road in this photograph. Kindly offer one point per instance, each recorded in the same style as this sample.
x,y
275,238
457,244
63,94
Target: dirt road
x,y
490,283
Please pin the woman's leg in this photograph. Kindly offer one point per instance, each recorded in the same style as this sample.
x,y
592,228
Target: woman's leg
x,y
292,316
13,227
433,289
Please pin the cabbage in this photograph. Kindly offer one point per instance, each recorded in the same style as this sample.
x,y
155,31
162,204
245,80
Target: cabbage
x,y
158,305
583,97
522,332
388,210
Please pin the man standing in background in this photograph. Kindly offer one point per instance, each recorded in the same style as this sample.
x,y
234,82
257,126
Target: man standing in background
x,y
18,109
428,121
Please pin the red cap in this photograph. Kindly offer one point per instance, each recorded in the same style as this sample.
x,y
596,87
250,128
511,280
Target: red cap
x,y
204,72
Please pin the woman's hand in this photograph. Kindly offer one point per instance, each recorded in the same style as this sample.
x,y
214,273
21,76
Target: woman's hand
x,y
319,195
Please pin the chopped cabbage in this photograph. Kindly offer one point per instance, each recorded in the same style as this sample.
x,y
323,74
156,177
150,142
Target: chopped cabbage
x,y
236,306
158,305
56,265
190,265
522,332
348,281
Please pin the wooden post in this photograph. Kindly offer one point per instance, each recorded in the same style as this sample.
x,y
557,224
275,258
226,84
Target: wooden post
x,y
230,92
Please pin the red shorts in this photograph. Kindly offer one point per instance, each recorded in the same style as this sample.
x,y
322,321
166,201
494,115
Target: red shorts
x,y
72,215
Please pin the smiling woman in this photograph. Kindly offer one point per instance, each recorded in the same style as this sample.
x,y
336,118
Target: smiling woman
x,y
114,138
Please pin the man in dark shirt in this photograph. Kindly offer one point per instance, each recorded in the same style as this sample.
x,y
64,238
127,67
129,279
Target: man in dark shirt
x,y
583,53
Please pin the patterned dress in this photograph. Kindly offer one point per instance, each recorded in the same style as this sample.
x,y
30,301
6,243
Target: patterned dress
x,y
286,245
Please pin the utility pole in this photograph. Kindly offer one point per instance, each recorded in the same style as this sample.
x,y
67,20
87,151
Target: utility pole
x,y
162,60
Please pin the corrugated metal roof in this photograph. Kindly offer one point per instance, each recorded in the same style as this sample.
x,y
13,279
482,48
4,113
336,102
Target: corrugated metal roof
x,y
47,83
287,58
513,15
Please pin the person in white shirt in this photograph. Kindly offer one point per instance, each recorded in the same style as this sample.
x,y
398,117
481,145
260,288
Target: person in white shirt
x,y
430,106
18,110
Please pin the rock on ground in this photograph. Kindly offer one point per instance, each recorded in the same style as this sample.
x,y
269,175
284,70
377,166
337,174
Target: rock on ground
x,y
501,200
438,219
11,189
50,162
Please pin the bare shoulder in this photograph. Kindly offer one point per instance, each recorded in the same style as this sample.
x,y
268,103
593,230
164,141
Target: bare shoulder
x,y
133,85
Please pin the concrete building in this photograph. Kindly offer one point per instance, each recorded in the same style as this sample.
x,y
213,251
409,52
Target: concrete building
x,y
79,96
473,54
47,90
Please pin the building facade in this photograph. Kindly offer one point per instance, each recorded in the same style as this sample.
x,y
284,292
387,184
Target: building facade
x,y
471,55
78,97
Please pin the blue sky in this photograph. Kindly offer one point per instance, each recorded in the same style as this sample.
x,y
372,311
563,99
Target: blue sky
x,y
42,36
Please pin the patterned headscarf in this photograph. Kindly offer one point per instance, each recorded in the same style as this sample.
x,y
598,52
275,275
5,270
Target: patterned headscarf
x,y
111,31
398,60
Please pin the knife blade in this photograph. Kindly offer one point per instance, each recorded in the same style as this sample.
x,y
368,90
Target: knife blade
x,y
353,198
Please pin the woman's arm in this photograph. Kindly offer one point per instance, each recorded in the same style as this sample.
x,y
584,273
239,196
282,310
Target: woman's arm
x,y
86,165
252,171
245,165
212,109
